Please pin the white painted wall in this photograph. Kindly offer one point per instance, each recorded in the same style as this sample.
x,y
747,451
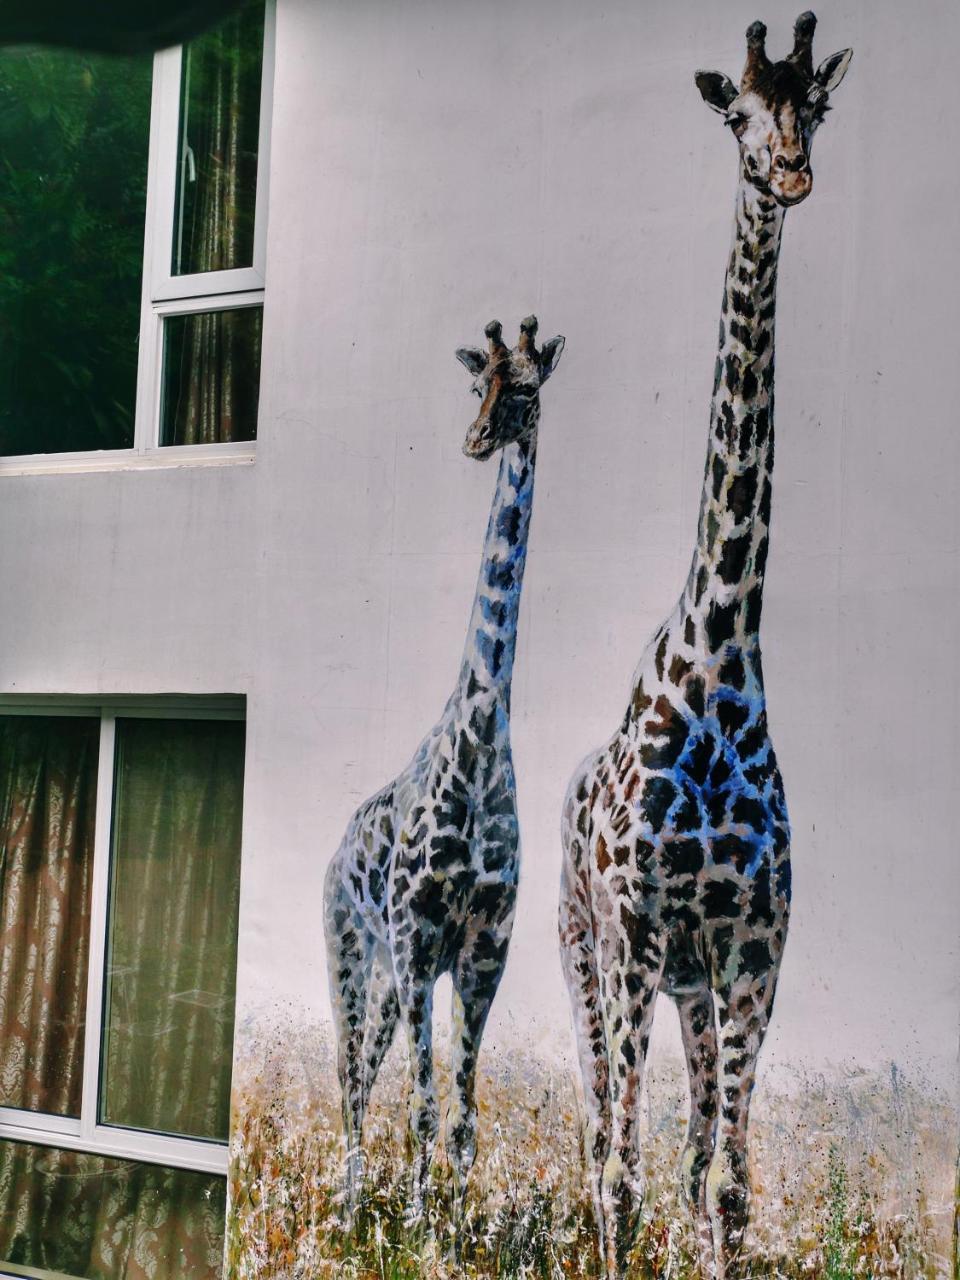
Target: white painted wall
x,y
438,163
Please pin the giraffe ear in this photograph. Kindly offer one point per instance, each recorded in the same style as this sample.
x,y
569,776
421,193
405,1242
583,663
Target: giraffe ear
x,y
716,89
472,359
832,70
550,357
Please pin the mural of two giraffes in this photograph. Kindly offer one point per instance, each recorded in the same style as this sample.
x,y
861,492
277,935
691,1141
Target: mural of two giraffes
x,y
675,865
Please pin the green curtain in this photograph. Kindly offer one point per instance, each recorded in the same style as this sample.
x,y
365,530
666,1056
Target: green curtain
x,y
173,933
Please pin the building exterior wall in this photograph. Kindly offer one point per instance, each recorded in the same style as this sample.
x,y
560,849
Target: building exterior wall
x,y
434,165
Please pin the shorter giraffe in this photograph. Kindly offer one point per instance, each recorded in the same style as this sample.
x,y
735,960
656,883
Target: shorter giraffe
x,y
425,880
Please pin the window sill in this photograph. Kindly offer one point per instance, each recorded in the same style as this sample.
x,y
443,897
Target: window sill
x,y
194,455
192,1154
15,1271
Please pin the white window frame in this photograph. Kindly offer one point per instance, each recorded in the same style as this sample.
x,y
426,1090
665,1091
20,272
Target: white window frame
x,y
164,294
86,1134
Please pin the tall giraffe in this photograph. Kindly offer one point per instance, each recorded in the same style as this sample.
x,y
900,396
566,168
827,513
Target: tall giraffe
x,y
425,880
676,872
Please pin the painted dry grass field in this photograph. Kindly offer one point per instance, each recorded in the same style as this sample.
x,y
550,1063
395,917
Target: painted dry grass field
x,y
852,1177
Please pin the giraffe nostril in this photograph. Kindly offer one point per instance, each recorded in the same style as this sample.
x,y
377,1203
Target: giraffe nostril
x,y
798,164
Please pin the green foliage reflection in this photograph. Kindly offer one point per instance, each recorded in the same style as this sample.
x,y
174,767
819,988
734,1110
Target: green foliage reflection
x,y
74,132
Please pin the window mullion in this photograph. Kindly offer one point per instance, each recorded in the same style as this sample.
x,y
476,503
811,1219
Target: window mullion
x,y
209,284
13,1118
263,150
210,302
162,191
159,1148
158,230
99,898
122,1144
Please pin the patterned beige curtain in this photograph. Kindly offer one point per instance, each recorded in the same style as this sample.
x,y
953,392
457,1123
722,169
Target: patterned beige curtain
x,y
48,785
81,1215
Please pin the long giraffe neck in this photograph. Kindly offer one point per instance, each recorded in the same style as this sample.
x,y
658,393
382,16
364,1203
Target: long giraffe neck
x,y
488,655
724,592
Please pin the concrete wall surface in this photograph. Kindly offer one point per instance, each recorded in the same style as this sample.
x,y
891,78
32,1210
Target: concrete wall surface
x,y
434,165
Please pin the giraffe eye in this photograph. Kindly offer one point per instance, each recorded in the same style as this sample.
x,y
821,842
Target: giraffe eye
x,y
476,391
736,121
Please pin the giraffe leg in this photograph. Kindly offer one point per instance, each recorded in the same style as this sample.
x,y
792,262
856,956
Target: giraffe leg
x,y
744,1007
629,980
583,985
476,977
349,960
416,1006
383,1014
698,1028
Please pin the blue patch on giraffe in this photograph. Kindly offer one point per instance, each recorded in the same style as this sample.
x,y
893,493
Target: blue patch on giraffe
x,y
494,611
714,797
490,649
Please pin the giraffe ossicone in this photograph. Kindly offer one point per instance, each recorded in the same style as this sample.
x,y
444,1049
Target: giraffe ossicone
x,y
676,868
425,879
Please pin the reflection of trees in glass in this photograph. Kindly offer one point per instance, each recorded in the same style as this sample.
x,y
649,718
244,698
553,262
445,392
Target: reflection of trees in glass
x,y
74,132
219,136
211,376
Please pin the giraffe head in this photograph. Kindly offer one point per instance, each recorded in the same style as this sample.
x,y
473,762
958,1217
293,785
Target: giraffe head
x,y
777,109
508,384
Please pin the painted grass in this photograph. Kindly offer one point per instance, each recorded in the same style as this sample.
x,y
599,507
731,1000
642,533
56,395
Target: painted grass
x,y
852,1178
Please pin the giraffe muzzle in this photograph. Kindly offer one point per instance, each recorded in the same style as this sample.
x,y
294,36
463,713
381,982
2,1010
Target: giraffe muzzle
x,y
480,443
790,178
792,193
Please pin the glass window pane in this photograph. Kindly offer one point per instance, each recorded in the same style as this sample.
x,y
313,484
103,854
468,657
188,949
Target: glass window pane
x,y
219,135
211,376
172,931
74,131
48,798
96,1218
